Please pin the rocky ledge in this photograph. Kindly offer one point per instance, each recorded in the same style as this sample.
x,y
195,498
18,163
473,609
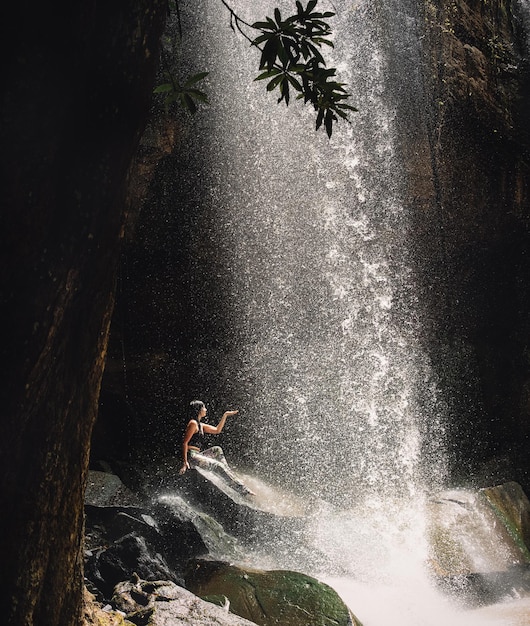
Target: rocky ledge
x,y
162,560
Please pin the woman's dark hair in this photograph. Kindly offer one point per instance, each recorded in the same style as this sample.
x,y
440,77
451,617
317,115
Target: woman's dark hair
x,y
195,408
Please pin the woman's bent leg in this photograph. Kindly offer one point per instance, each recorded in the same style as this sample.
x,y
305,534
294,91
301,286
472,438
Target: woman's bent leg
x,y
216,452
213,459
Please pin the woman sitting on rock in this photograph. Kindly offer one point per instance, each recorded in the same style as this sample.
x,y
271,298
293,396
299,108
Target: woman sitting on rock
x,y
212,459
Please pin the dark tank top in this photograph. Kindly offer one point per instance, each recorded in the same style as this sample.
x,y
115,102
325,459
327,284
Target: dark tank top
x,y
197,440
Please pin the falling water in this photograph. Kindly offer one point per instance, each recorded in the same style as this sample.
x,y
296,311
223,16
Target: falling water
x,y
301,264
309,240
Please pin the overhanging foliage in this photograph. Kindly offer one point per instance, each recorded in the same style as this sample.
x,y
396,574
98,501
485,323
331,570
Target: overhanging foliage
x,y
291,61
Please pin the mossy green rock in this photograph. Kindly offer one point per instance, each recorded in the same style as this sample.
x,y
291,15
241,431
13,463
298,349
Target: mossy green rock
x,y
270,597
468,527
512,507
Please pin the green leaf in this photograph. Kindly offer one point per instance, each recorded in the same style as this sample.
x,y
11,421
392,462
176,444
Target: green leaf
x,y
164,88
268,25
320,117
268,74
189,103
284,90
282,54
195,78
326,42
347,106
328,122
274,82
298,68
269,53
260,39
295,83
197,95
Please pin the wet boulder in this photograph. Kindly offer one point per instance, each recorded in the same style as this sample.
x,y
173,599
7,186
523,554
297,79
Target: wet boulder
x,y
269,597
128,555
271,517
154,543
478,543
190,532
512,508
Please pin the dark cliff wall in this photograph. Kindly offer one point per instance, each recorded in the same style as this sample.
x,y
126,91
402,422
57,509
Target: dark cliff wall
x,y
473,238
142,393
76,89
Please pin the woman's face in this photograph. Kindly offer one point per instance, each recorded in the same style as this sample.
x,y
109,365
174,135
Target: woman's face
x,y
202,413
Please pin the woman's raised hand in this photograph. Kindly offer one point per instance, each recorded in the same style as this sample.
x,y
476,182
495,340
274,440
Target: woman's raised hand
x,y
230,413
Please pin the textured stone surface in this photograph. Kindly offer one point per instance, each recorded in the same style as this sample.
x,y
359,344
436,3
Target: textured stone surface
x,y
161,603
469,183
512,508
78,83
104,489
269,597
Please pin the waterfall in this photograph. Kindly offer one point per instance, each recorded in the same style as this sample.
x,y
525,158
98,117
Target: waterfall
x,y
302,296
310,244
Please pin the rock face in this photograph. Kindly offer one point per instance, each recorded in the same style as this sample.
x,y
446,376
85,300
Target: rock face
x,y
106,489
153,542
470,184
77,88
512,507
139,559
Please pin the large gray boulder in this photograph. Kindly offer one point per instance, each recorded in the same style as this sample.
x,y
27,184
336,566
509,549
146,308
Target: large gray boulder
x,y
154,543
162,603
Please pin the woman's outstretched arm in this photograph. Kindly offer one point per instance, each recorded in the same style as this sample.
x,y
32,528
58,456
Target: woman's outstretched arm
x,y
215,430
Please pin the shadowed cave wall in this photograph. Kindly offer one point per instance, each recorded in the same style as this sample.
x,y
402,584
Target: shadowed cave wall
x,y
75,96
473,234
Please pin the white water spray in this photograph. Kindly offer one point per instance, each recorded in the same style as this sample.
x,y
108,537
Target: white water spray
x,y
310,240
